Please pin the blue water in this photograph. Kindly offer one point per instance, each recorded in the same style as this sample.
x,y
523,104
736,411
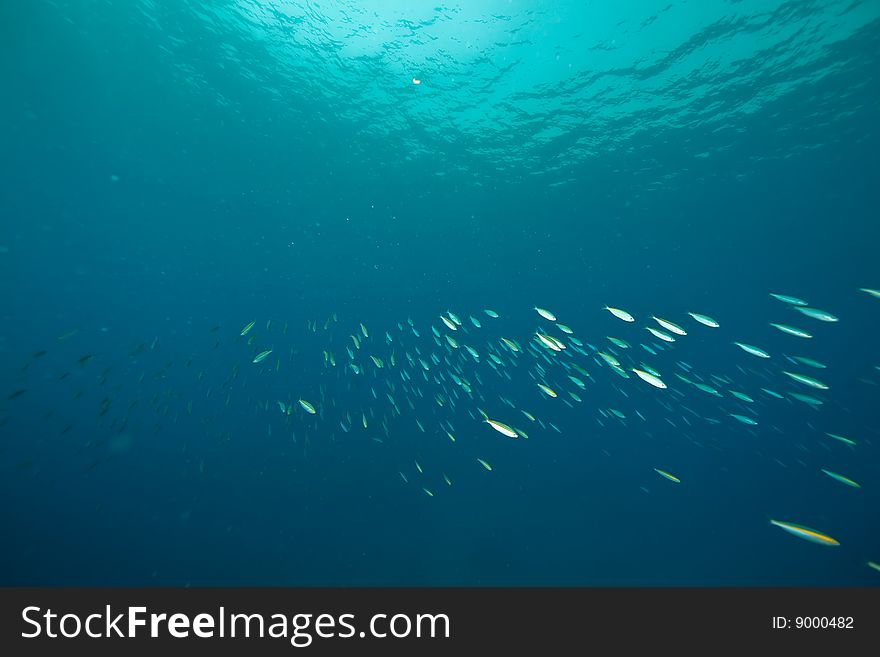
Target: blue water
x,y
173,171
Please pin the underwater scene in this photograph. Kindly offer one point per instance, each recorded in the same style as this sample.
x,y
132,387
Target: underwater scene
x,y
400,293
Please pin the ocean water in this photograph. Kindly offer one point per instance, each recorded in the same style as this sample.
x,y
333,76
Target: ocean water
x,y
174,171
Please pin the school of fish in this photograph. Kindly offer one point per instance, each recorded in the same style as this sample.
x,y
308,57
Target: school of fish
x,y
447,378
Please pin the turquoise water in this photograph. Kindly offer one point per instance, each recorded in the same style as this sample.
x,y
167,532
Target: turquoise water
x,y
174,171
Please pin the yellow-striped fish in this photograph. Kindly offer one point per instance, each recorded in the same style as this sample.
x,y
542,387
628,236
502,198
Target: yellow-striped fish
x,y
805,533
546,314
547,391
841,478
262,356
649,378
502,428
806,380
842,439
510,343
620,314
668,476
